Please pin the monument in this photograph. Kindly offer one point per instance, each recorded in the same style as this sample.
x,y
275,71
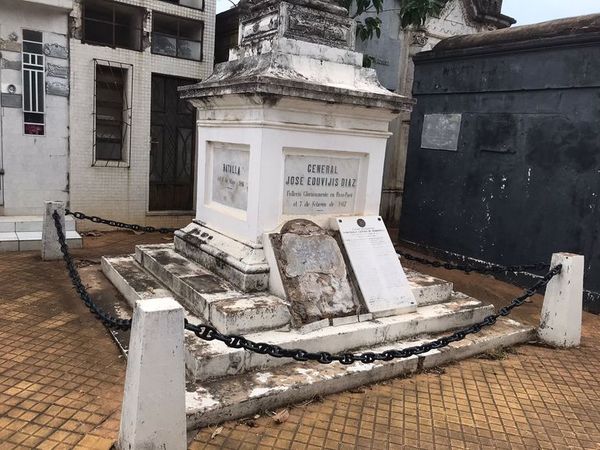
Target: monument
x,y
287,246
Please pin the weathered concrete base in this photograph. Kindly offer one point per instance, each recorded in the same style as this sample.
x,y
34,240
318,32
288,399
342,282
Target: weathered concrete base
x,y
560,320
225,383
213,402
243,264
159,271
210,359
153,401
50,245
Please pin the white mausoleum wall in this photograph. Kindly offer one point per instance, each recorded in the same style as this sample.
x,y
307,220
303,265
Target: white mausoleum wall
x,y
35,167
121,193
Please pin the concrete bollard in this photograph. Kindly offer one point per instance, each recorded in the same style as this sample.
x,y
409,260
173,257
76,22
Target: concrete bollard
x,y
153,413
560,323
50,246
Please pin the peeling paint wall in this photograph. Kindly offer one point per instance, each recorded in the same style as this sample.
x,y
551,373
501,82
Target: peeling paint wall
x,y
35,167
524,181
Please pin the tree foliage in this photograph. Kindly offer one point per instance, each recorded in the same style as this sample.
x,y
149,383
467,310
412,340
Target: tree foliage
x,y
412,13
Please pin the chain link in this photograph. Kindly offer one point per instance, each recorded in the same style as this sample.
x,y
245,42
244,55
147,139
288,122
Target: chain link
x,y
486,269
107,319
209,333
114,223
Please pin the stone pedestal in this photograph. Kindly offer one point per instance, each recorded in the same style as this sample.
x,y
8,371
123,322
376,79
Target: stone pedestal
x,y
292,127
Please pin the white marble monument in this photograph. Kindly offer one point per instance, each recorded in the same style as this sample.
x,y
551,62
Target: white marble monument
x,y
291,141
292,127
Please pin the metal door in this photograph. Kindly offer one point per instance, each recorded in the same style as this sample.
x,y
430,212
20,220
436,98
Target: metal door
x,y
172,151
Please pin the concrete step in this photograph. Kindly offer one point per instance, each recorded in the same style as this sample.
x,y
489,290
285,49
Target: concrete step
x,y
22,241
428,290
24,233
29,223
207,295
161,272
132,281
213,359
213,402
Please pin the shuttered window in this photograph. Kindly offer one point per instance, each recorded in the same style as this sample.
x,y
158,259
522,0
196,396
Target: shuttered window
x,y
33,65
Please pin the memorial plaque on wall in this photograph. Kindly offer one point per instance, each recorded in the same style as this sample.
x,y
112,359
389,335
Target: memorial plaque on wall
x,y
320,184
441,131
380,276
230,165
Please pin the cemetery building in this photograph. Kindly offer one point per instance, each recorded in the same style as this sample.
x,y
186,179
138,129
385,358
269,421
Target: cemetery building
x,y
392,55
503,154
34,102
34,118
132,139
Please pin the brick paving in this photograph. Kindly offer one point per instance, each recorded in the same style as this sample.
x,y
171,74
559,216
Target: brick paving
x,y
61,381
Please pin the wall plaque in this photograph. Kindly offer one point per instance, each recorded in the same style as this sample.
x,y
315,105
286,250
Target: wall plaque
x,y
230,165
441,131
320,184
380,276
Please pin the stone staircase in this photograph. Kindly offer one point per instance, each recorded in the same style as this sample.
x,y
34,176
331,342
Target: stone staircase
x,y
226,383
24,233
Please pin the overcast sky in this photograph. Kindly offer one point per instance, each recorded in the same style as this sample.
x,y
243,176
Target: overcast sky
x,y
525,11
533,11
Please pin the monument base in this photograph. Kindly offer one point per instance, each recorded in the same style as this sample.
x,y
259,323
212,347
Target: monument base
x,y
243,264
225,383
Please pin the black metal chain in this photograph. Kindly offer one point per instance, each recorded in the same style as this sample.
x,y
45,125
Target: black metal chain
x,y
486,269
209,333
114,223
107,319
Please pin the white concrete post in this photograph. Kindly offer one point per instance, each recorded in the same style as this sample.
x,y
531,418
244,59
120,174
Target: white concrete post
x,y
153,414
50,246
560,323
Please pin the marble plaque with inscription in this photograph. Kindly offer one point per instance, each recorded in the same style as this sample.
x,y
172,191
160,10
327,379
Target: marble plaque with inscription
x,y
441,131
380,276
230,165
320,184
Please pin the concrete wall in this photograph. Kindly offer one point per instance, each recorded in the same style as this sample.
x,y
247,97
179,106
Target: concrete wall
x,y
523,181
35,166
393,53
122,192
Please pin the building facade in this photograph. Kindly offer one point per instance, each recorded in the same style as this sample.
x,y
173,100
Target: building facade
x,y
132,140
34,104
503,161
392,55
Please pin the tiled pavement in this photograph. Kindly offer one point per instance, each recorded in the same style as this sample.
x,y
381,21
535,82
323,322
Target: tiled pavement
x,y
61,381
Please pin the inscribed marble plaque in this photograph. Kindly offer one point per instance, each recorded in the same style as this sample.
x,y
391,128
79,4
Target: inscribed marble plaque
x,y
230,165
320,184
441,131
380,276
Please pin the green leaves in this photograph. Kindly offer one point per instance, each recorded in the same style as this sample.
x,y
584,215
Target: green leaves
x,y
415,12
412,13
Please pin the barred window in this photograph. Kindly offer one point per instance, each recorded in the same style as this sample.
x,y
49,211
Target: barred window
x,y
33,70
112,113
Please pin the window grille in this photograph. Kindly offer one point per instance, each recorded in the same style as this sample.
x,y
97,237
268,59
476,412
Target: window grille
x,y
112,113
176,37
33,72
